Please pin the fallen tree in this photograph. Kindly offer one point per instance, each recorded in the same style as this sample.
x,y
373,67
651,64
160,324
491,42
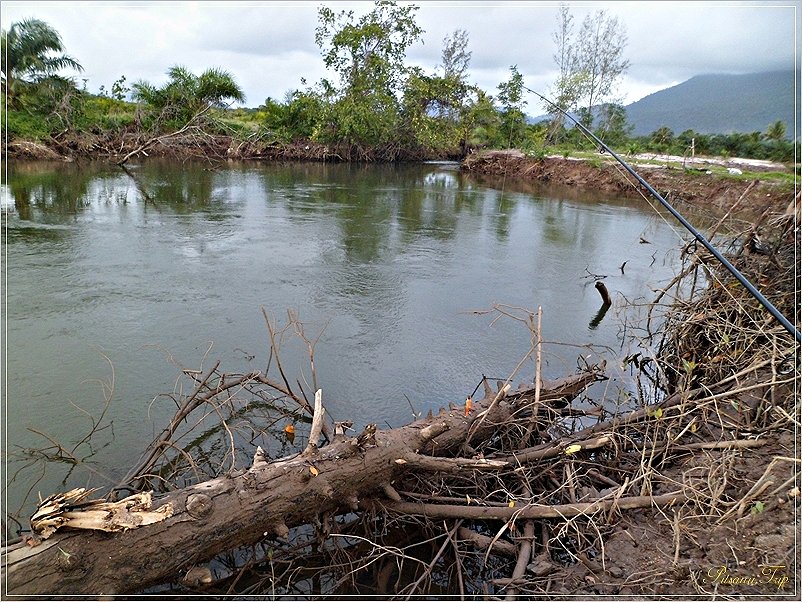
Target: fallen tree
x,y
246,506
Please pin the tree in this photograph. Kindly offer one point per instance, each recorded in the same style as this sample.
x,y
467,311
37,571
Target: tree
x,y
298,118
513,119
776,131
481,120
186,97
368,55
153,540
599,58
566,89
27,48
434,106
613,127
662,138
183,103
590,65
456,56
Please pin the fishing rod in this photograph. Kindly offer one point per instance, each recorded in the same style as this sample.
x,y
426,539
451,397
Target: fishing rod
x,y
786,323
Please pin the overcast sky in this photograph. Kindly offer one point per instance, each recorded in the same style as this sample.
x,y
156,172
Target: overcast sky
x,y
270,46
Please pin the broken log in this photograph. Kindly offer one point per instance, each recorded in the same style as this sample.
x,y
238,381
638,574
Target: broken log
x,y
246,506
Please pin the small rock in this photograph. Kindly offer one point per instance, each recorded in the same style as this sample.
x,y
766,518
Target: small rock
x,y
541,566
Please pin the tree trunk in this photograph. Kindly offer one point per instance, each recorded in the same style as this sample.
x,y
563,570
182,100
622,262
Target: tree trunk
x,y
263,501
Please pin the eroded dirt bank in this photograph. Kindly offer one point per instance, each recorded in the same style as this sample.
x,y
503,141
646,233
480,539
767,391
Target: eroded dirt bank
x,y
607,176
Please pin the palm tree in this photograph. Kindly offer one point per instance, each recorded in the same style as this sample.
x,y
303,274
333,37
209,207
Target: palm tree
x,y
26,55
183,102
776,131
186,96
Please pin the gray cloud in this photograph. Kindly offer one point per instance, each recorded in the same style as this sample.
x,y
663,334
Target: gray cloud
x,y
269,46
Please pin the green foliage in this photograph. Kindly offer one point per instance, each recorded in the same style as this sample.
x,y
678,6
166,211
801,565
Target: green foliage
x,y
633,148
590,64
661,139
432,110
28,61
299,118
513,118
186,97
106,114
482,121
377,99
118,89
25,125
613,127
455,56
776,131
368,55
752,145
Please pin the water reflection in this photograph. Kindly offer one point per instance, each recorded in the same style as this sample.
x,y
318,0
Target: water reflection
x,y
173,256
42,190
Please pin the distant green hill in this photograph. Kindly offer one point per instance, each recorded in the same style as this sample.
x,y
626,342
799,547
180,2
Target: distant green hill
x,y
718,104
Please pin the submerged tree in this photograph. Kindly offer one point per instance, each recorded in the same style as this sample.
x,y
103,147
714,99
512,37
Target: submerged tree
x,y
27,57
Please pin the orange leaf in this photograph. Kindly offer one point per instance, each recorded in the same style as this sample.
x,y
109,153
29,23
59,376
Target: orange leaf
x,y
314,471
289,429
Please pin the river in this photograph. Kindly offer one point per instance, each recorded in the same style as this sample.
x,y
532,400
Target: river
x,y
111,276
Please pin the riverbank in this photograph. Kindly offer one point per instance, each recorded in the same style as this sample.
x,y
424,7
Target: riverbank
x,y
714,183
197,145
716,339
769,184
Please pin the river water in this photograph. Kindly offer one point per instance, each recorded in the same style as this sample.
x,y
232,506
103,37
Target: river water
x,y
119,276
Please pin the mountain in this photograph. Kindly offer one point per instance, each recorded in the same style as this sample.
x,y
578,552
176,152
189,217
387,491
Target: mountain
x,y
715,104
718,104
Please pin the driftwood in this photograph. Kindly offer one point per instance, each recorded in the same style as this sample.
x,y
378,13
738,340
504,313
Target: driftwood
x,y
264,501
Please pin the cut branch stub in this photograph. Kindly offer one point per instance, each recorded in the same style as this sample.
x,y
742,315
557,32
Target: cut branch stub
x,y
199,505
605,294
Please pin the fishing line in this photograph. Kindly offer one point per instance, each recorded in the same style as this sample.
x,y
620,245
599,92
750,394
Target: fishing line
x,y
681,219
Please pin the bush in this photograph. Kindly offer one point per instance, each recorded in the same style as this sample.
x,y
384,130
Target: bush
x,y
21,124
